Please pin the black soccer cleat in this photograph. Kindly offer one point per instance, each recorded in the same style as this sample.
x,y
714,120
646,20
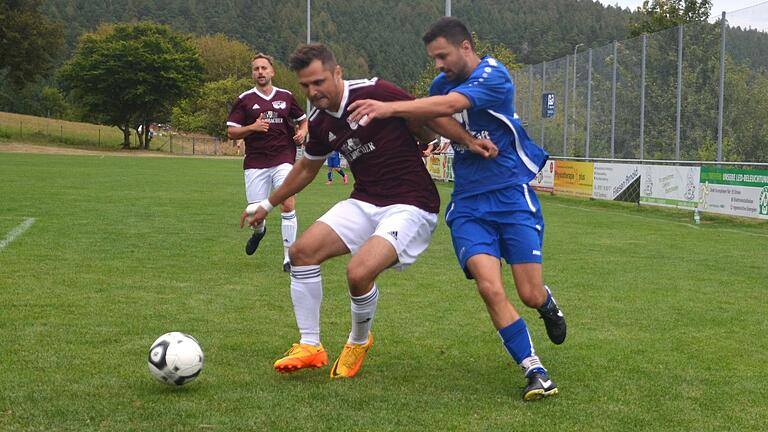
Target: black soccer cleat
x,y
539,386
286,267
554,321
253,242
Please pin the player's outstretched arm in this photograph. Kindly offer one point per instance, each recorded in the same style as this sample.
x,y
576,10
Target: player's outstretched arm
x,y
260,125
302,174
451,129
429,107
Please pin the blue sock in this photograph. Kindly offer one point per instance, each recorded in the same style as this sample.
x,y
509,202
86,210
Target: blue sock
x,y
548,303
330,175
518,343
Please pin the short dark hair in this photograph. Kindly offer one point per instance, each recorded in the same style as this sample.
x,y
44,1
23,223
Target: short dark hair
x,y
266,57
452,29
307,53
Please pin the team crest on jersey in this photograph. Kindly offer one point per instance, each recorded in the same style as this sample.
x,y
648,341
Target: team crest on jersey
x,y
331,136
255,106
352,124
279,104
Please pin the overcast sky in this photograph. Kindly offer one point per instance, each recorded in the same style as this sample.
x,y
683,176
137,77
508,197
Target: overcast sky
x,y
756,17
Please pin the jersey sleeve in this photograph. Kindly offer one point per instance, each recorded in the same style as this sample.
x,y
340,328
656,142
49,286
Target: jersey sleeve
x,y
295,112
236,115
385,91
487,85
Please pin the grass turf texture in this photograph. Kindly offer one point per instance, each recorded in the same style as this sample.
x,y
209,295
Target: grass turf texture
x,y
666,319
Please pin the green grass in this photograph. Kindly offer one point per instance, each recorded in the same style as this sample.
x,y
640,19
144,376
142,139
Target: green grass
x,y
666,320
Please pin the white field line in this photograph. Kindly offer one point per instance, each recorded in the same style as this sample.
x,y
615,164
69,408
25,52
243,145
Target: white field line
x,y
14,233
689,225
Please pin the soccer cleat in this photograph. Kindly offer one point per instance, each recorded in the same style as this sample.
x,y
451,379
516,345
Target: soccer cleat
x,y
346,179
539,386
286,267
302,356
329,182
554,321
253,242
351,358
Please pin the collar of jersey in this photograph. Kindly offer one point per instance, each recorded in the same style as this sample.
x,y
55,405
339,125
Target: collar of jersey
x,y
343,104
274,90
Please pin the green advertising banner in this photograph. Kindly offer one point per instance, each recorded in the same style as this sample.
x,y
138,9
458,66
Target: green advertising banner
x,y
736,192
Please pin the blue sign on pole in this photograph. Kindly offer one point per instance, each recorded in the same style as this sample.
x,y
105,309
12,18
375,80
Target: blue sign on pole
x,y
547,105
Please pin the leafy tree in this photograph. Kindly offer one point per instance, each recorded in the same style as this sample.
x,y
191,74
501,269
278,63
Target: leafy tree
x,y
657,15
130,75
29,41
207,112
223,57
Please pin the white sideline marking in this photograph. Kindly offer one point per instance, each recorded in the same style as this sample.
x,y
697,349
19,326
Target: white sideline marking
x,y
19,230
659,220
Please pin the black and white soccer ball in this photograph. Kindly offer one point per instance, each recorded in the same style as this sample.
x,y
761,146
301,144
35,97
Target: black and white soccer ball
x,y
175,358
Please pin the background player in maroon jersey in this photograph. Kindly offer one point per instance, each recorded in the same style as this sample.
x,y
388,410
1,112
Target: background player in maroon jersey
x,y
387,221
272,124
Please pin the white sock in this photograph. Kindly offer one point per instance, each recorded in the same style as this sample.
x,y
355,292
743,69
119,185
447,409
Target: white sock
x,y
363,310
307,295
290,226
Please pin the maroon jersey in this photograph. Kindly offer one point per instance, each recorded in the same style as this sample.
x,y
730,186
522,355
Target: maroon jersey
x,y
275,146
383,155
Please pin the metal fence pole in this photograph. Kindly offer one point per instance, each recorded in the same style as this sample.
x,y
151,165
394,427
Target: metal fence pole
x,y
722,91
193,145
530,92
21,129
613,99
565,105
589,101
642,97
543,89
679,89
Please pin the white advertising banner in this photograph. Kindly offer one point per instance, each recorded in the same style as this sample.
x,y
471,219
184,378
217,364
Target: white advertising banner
x,y
545,179
670,186
735,192
611,180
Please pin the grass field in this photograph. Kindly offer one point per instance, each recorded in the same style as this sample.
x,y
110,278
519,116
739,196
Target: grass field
x,y
666,319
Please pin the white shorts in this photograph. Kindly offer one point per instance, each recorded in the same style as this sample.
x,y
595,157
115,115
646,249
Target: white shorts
x,y
259,183
408,228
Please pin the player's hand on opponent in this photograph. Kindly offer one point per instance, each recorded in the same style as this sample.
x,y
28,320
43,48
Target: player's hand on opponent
x,y
255,213
483,147
260,125
299,137
365,110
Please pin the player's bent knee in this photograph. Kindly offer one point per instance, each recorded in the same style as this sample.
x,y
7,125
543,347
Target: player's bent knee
x,y
359,278
531,296
491,293
301,254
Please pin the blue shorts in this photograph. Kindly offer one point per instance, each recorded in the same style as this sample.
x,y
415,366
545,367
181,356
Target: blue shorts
x,y
334,161
506,224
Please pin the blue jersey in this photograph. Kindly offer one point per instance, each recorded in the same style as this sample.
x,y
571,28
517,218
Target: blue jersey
x,y
491,92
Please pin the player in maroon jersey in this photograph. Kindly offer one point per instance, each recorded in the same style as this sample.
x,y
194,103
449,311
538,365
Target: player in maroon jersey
x,y
387,221
272,124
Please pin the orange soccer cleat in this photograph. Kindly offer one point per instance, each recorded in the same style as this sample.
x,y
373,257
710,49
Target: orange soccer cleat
x,y
302,356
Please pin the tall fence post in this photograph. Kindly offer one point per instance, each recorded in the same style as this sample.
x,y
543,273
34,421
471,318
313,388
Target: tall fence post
x,y
543,89
722,91
193,145
99,137
679,89
530,93
589,101
565,105
613,99
642,97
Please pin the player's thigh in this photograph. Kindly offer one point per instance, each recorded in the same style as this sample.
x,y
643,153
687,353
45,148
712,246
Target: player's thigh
x,y
408,229
278,175
472,236
258,184
374,256
316,245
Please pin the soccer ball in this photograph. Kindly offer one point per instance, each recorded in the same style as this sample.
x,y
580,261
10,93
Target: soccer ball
x,y
175,358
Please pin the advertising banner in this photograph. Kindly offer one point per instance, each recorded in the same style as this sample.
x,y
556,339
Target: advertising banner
x,y
545,179
574,178
669,186
734,192
614,181
437,165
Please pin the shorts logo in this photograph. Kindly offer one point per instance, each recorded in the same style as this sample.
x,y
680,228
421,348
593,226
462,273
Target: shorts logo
x,y
279,104
536,252
255,106
331,136
393,234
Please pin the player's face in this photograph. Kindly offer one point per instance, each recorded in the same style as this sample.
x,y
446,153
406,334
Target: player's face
x,y
450,59
323,87
262,72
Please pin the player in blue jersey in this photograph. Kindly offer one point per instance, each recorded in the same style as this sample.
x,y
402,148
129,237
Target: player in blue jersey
x,y
334,164
493,214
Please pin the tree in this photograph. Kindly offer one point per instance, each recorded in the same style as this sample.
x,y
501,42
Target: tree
x,y
224,57
130,75
207,112
28,41
657,15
